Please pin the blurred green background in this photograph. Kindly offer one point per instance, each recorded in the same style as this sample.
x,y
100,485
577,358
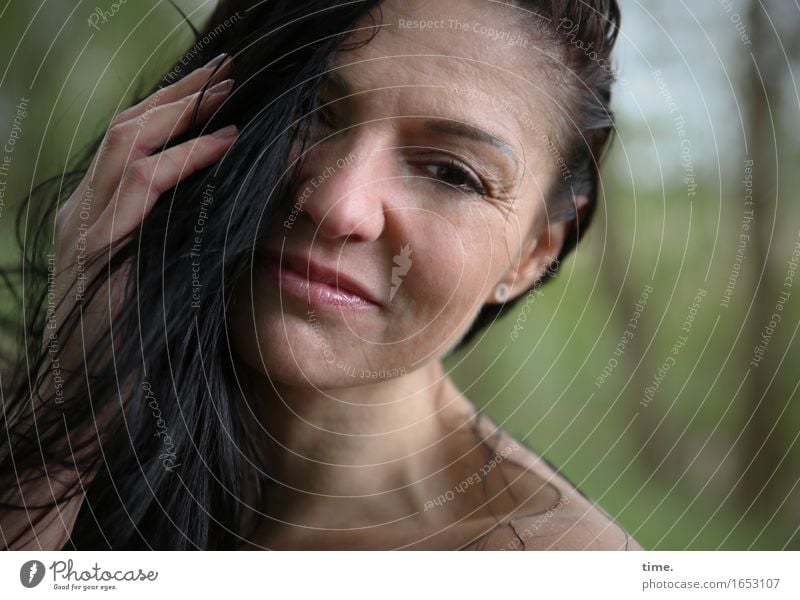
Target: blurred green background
x,y
708,460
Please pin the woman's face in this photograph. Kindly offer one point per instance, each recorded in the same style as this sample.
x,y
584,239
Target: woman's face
x,y
423,190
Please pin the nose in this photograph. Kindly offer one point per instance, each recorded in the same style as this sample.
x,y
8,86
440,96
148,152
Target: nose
x,y
346,196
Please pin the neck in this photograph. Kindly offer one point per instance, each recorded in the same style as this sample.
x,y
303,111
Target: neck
x,y
369,453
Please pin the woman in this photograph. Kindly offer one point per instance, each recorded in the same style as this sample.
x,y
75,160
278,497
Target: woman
x,y
347,195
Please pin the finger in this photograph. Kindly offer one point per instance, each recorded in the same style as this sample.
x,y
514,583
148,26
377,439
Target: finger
x,y
166,121
217,69
147,178
185,86
129,141
173,92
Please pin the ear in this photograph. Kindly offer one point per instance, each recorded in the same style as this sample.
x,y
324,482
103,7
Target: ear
x,y
538,255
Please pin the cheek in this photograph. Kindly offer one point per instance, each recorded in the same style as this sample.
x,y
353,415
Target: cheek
x,y
294,346
456,263
454,256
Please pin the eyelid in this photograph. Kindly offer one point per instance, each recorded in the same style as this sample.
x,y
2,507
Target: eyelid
x,y
326,108
324,114
446,159
493,182
477,185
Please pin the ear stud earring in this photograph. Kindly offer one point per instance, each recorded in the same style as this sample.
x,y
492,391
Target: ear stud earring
x,y
501,292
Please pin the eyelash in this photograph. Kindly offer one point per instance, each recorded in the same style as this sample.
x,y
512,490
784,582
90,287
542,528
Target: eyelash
x,y
324,118
473,183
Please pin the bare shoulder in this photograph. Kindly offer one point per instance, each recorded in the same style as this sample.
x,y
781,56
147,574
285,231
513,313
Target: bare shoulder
x,y
561,519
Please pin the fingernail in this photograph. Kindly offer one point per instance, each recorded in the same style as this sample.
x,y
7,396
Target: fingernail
x,y
215,61
226,132
222,87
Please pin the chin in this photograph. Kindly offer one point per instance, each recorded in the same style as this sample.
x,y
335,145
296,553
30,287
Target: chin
x,y
291,350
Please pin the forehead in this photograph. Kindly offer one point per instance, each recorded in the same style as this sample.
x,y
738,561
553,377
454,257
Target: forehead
x,y
468,60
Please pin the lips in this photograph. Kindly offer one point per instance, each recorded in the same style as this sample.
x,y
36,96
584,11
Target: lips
x,y
319,281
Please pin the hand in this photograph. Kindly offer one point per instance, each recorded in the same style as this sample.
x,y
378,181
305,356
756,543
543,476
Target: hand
x,y
124,180
122,184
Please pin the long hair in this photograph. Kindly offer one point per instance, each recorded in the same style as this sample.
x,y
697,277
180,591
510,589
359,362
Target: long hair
x,y
171,461
155,427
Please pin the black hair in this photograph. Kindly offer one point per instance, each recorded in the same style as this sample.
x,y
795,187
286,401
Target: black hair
x,y
159,362
583,34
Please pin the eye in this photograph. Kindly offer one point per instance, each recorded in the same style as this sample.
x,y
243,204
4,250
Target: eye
x,y
456,175
323,119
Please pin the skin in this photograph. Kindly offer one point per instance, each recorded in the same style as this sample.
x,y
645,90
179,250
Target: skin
x,y
359,459
123,182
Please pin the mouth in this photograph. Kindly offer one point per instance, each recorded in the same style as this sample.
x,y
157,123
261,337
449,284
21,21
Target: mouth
x,y
316,284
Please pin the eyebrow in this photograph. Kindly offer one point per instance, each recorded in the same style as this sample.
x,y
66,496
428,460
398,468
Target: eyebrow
x,y
447,127
459,129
